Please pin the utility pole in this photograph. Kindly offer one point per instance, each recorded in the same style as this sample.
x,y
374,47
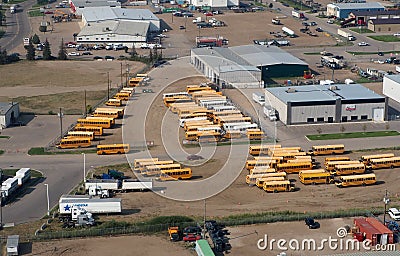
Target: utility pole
x,y
108,85
85,107
121,74
386,201
61,115
204,225
127,74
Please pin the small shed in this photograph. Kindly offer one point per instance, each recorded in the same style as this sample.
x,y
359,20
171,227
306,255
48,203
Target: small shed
x,y
9,112
374,230
12,245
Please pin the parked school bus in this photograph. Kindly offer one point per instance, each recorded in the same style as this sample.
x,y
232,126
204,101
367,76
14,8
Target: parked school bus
x,y
278,159
336,158
138,161
122,96
176,174
203,136
308,158
143,165
232,135
262,170
112,149
260,181
192,89
327,149
348,169
196,122
74,143
97,130
175,94
80,134
288,155
313,177
129,89
367,158
191,110
272,150
330,166
127,92
256,150
104,123
293,167
250,164
251,179
254,134
174,107
155,170
278,186
390,162
356,180
193,128
135,81
120,111
114,102
112,120
214,114
105,113
181,99
232,119
210,97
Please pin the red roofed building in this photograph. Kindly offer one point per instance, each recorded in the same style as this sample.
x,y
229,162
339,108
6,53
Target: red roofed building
x,y
374,230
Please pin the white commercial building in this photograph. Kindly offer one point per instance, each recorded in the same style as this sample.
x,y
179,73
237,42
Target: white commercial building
x,y
391,87
326,104
214,3
77,6
9,112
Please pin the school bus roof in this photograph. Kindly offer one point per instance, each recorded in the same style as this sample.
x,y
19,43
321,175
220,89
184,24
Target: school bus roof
x,y
329,146
312,171
364,176
349,165
277,182
385,159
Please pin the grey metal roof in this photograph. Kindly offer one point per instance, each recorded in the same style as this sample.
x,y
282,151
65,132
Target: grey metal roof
x,y
222,56
95,3
133,28
107,13
6,106
395,78
308,93
376,253
349,6
263,55
371,13
385,21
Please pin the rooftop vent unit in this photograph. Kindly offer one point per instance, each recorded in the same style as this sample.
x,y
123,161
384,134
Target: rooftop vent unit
x,y
291,90
333,88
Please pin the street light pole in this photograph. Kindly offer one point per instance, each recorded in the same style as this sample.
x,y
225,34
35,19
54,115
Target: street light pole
x,y
61,115
84,166
48,201
386,201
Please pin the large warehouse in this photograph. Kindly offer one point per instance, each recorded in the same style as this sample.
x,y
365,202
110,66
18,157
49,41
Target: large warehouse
x,y
343,10
326,104
384,25
246,66
9,112
391,87
77,6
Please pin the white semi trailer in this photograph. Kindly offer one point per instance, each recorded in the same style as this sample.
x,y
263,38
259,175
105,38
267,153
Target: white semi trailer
x,y
92,205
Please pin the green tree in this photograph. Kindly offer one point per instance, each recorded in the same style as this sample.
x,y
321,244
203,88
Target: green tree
x,y
46,51
35,39
270,5
3,56
1,19
151,55
364,127
342,128
62,53
30,51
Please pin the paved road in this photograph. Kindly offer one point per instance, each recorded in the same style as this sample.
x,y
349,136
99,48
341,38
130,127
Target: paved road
x,y
18,27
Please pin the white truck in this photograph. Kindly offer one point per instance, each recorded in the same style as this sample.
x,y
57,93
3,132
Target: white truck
x,y
13,9
8,187
92,205
288,31
109,184
270,112
259,98
297,14
133,184
346,35
12,245
23,175
398,69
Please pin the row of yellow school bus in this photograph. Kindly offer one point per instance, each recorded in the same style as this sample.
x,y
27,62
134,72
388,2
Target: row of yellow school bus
x,y
90,128
271,165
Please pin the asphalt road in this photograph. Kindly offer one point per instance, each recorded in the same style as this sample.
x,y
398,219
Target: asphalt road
x,y
17,27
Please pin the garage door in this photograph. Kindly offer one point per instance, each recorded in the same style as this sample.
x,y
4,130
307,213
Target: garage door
x,y
378,114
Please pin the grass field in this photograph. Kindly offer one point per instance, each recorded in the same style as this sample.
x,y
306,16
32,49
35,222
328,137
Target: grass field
x,y
386,38
372,53
350,135
362,30
41,151
11,172
4,137
1,151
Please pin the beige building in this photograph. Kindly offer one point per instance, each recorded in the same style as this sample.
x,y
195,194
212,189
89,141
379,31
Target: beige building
x,y
384,25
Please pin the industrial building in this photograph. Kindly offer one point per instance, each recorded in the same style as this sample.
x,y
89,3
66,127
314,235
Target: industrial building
x,y
77,6
391,87
362,17
374,230
384,25
343,10
9,112
117,26
246,66
214,3
326,104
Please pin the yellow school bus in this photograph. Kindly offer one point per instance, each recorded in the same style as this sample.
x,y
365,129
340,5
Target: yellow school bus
x,y
278,159
288,155
155,170
260,181
232,135
251,179
175,94
97,130
143,165
273,150
319,176
256,150
367,158
336,158
176,174
126,91
254,134
232,119
189,123
251,164
214,114
356,180
112,120
122,96
138,161
120,111
293,167
203,136
347,169
278,186
197,88
142,75
330,166
114,102
129,89
191,110
262,170
170,100
106,113
74,143
112,149
104,123
135,81
327,149
390,162
174,107
80,134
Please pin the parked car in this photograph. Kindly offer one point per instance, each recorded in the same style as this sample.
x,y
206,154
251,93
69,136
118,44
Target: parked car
x,y
109,57
330,22
363,44
311,223
118,47
394,213
191,238
98,47
87,53
182,27
319,29
159,63
73,54
313,23
396,34
97,58
109,46
48,12
209,14
194,157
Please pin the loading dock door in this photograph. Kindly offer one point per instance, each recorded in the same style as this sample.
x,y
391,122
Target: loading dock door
x,y
378,114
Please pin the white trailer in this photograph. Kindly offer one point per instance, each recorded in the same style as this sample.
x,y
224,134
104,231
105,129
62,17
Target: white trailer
x,y
297,14
346,35
270,112
211,104
288,31
134,184
398,69
259,98
92,205
23,175
183,120
243,127
223,108
12,245
9,186
229,126
102,184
